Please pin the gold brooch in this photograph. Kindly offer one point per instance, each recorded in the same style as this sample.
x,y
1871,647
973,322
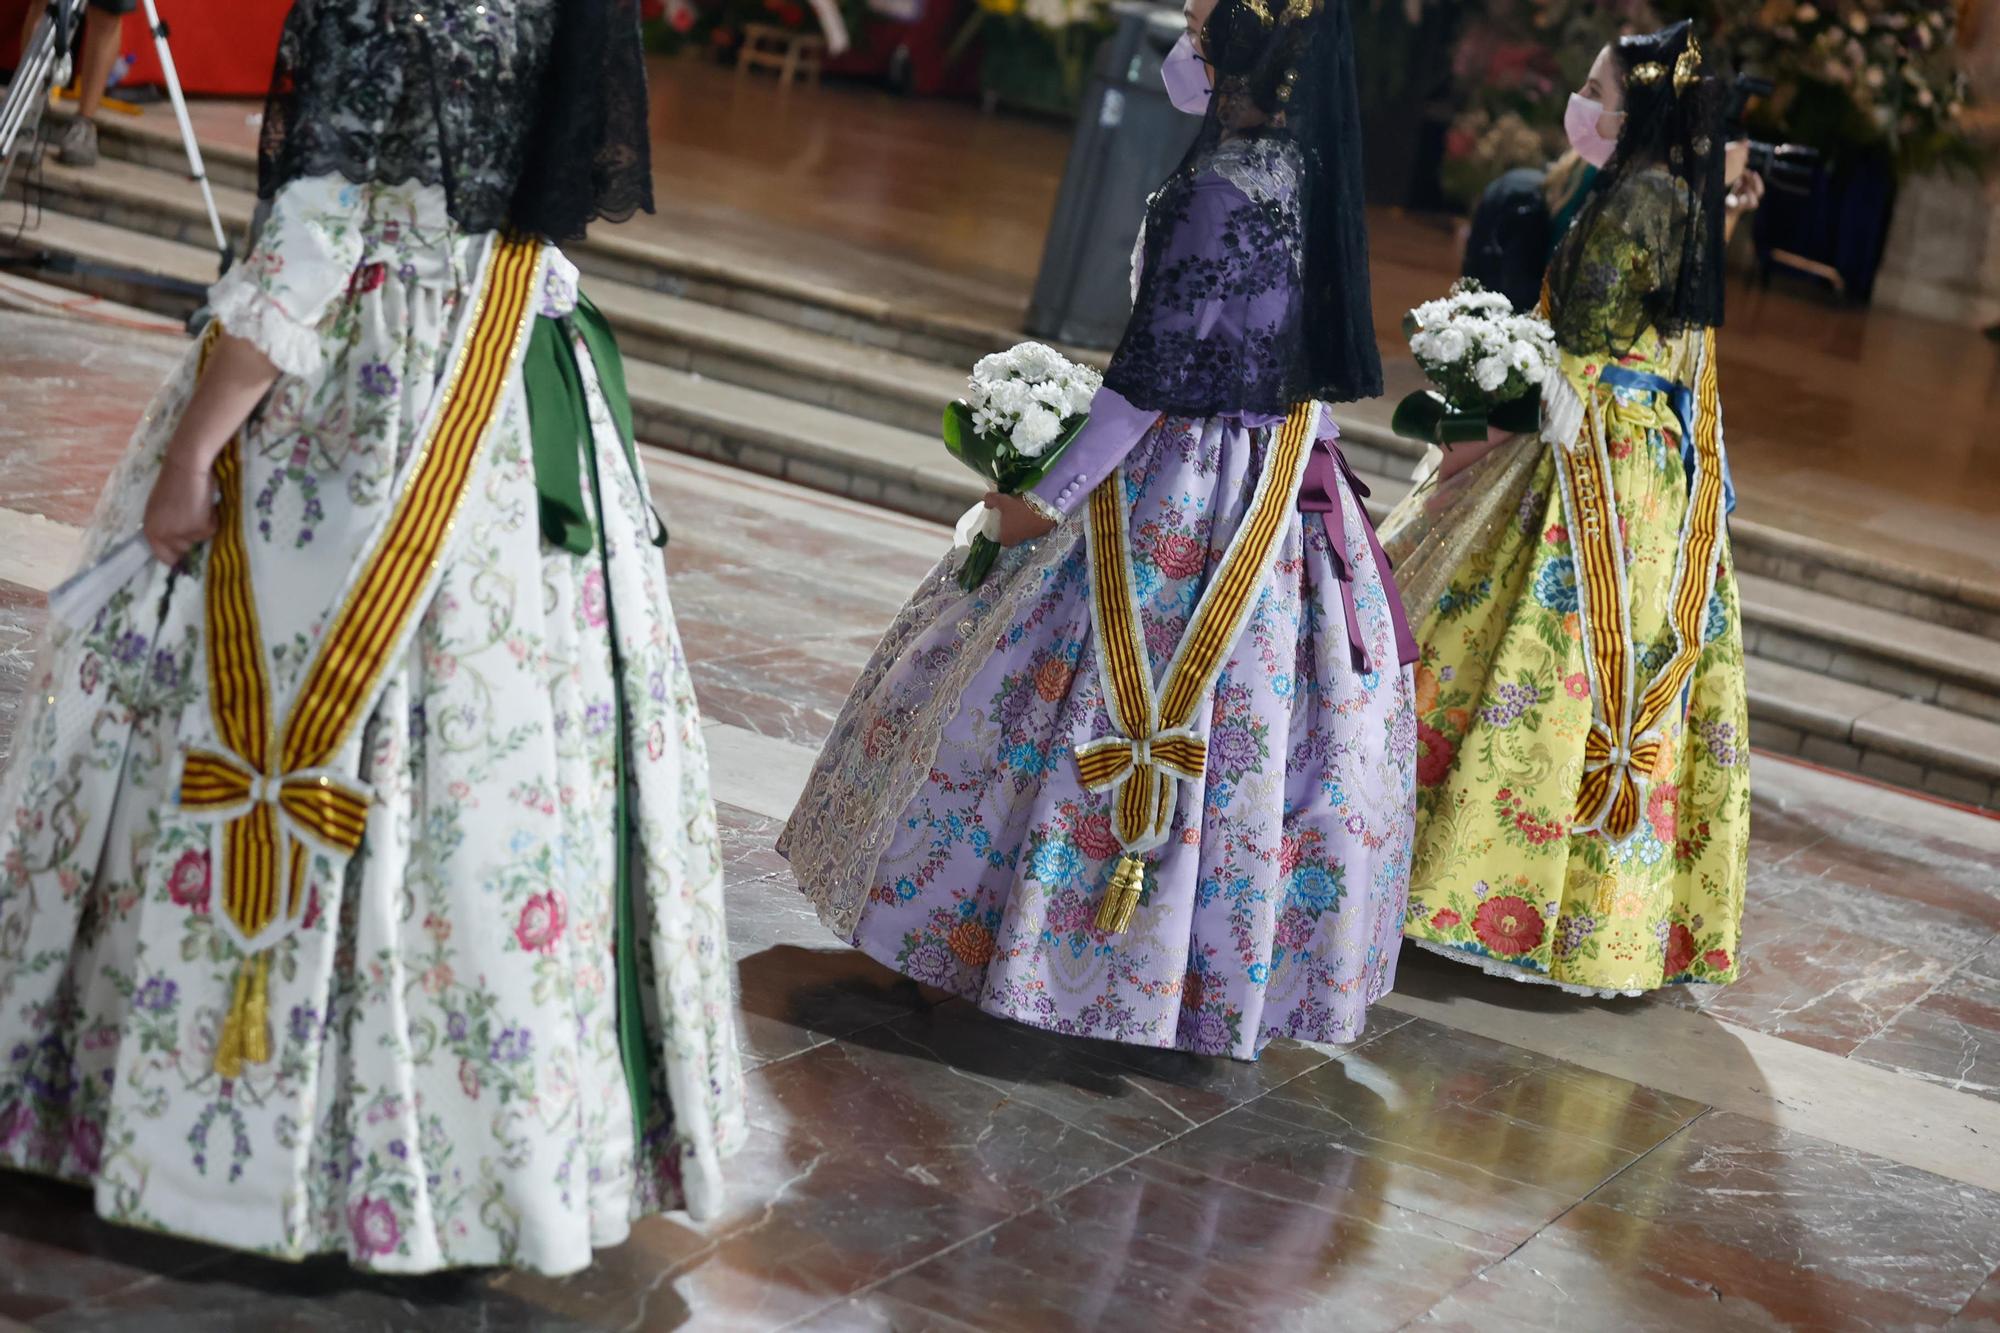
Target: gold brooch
x,y
1260,9
1649,73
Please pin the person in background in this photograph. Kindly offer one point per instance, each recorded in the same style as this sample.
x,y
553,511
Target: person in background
x,y
1522,217
103,23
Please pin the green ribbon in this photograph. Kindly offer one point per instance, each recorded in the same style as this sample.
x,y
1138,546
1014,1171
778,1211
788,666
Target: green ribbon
x,y
1427,416
559,422
559,431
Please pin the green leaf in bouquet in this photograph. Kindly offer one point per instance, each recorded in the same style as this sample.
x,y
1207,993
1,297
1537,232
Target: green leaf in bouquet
x,y
1517,415
967,445
1425,415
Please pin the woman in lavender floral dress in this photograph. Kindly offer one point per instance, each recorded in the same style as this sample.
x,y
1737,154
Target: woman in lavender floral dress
x,y
485,1018
948,830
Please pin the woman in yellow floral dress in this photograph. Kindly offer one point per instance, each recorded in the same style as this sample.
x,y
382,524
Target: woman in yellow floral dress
x,y
1583,776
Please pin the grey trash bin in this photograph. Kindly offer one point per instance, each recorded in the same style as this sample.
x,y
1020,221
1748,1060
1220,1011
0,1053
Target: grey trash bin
x,y
1128,137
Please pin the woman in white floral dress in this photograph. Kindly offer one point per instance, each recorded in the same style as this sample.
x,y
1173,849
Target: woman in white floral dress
x,y
443,983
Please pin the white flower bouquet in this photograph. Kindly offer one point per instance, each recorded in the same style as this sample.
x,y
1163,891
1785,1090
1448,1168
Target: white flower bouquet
x,y
1488,363
1021,409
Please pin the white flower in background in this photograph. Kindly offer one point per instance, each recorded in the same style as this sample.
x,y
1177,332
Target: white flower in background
x,y
1450,343
1491,373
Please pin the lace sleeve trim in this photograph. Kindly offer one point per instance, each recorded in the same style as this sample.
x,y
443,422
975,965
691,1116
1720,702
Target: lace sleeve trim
x,y
251,314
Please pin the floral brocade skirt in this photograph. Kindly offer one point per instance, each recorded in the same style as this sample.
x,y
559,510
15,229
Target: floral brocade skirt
x,y
945,831
445,1084
1503,709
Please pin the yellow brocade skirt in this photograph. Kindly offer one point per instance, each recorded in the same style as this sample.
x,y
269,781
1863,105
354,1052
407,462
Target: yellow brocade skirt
x,y
1501,879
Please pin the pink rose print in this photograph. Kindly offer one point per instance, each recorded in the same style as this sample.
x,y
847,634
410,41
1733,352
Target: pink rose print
x,y
1180,556
86,1145
541,923
593,598
188,881
1095,839
373,1222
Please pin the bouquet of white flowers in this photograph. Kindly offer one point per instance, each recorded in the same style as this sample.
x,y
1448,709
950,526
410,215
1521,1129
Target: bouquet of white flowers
x,y
1021,408
1487,362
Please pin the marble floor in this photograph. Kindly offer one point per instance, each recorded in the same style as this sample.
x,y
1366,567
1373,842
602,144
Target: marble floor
x,y
1812,1148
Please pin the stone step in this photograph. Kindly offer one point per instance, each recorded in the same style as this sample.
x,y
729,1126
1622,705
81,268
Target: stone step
x,y
1863,730
1900,655
151,146
704,389
722,340
727,323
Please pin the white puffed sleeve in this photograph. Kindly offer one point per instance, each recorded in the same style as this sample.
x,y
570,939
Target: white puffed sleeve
x,y
304,259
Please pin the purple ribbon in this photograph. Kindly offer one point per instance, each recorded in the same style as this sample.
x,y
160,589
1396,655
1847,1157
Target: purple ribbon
x,y
1320,494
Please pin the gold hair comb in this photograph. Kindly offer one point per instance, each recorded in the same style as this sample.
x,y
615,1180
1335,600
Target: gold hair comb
x,y
1688,68
1649,73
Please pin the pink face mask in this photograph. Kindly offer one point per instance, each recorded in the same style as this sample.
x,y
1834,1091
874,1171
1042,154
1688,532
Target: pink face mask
x,y
1186,77
1580,123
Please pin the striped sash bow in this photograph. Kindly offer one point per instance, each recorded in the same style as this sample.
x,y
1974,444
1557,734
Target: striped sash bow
x,y
268,781
1634,720
1156,748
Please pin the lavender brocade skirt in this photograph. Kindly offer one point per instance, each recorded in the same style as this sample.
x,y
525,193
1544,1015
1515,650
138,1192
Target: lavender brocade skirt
x,y
945,833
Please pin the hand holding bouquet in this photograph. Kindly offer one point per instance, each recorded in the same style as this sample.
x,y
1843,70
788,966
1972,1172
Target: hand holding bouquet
x,y
1487,362
1021,408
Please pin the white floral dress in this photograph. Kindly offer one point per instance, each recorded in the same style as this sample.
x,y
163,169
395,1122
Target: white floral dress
x,y
445,1085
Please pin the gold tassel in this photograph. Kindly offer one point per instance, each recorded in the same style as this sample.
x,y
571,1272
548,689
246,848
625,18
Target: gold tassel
x,y
1121,897
246,1028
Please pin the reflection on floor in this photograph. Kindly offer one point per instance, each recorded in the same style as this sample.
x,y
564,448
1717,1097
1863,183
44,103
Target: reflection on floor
x,y
1809,1149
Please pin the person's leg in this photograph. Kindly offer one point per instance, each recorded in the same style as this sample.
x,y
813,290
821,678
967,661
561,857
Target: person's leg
x,y
103,23
36,9
101,28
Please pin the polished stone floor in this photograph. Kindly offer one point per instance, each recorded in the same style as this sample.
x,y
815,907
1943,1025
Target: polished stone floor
x,y
1810,1149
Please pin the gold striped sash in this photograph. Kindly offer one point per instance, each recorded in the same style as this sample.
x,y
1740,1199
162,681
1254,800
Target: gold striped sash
x,y
268,783
1631,726
1155,746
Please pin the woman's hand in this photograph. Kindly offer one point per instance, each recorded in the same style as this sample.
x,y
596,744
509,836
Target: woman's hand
x,y
1018,521
1747,193
180,513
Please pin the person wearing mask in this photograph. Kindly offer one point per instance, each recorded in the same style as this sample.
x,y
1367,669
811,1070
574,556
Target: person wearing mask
x,y
1584,784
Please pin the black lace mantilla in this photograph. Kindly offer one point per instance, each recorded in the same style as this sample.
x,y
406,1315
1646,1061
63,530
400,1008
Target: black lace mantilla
x,y
1253,281
1645,251
530,114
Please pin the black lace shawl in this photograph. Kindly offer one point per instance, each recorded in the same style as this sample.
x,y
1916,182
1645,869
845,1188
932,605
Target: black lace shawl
x,y
1645,250
530,114
1253,289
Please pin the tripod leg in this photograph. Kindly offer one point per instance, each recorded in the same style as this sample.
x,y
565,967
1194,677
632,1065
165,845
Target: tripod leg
x,y
188,141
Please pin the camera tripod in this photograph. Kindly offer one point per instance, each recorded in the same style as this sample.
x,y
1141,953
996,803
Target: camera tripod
x,y
44,67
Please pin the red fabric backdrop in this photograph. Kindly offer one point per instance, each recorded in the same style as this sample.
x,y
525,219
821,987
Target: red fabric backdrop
x,y
222,48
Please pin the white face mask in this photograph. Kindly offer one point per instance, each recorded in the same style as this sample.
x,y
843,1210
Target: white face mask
x,y
1580,119
1186,76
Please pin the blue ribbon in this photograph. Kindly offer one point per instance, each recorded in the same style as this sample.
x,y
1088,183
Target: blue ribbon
x,y
1681,397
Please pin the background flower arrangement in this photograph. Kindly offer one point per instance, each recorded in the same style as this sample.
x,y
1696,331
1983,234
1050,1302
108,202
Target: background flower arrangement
x,y
1855,76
